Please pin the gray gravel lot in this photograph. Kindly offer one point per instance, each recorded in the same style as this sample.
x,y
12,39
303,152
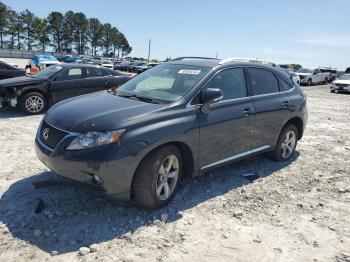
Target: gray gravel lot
x,y
296,211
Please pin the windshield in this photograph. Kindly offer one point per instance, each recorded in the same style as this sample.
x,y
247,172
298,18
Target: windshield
x,y
345,77
47,72
304,70
167,82
107,62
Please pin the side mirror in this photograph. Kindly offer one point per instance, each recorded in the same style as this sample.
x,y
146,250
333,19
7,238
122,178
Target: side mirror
x,y
212,95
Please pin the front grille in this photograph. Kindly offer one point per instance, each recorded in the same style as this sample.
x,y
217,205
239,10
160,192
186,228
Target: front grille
x,y
51,136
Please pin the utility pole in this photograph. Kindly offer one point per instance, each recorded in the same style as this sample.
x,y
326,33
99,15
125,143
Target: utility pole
x,y
149,49
217,54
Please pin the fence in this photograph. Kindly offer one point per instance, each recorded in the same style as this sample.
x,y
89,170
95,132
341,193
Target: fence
x,y
9,53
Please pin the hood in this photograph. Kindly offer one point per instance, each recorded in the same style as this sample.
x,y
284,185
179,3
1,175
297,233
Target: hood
x,y
21,81
343,82
303,74
101,111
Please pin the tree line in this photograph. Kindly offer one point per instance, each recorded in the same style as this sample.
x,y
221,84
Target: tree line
x,y
67,32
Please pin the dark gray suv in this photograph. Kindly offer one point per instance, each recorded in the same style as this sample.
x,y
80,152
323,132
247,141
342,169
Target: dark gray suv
x,y
177,119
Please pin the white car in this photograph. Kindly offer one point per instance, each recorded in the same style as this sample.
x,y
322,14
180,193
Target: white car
x,y
294,76
105,63
312,77
341,84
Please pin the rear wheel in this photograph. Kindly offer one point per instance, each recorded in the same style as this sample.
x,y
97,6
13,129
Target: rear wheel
x,y
286,144
33,103
157,177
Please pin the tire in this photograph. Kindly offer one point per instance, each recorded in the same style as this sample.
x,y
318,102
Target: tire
x,y
33,103
149,177
325,81
332,91
278,153
309,82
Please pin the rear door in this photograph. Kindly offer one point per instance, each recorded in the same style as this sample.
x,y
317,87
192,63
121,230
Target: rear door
x,y
270,105
226,130
96,80
69,83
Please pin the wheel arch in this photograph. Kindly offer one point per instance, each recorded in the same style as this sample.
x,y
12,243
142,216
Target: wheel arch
x,y
187,158
298,123
35,90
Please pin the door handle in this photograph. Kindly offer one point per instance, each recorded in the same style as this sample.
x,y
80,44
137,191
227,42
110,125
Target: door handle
x,y
248,111
286,104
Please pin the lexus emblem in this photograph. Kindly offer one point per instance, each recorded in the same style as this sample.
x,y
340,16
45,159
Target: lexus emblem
x,y
46,133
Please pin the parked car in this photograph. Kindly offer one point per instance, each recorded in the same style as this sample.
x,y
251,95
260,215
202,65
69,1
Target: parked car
x,y
122,66
312,77
294,76
36,93
72,60
9,71
132,67
182,118
332,73
105,63
44,61
341,84
347,71
145,67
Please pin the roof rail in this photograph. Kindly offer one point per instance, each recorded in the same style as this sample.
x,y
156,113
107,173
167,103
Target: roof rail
x,y
248,60
192,57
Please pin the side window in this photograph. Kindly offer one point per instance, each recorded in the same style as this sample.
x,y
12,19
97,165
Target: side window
x,y
231,82
263,81
105,73
285,86
70,74
94,72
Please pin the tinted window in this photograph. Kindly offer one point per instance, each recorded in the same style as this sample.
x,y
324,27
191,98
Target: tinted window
x,y
70,74
94,72
231,82
263,81
105,73
285,86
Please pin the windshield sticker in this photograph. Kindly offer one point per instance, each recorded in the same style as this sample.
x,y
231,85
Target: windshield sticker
x,y
189,72
58,67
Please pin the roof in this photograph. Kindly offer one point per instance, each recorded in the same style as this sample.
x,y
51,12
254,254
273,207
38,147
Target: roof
x,y
207,62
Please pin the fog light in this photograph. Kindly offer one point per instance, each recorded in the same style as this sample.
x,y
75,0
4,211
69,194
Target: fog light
x,y
97,179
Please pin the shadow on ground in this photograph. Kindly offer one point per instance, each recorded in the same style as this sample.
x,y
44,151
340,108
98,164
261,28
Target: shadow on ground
x,y
74,216
11,113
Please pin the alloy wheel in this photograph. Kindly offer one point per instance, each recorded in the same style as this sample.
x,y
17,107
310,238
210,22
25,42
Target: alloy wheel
x,y
288,144
168,175
34,104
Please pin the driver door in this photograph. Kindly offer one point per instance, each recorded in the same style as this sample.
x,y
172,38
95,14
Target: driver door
x,y
68,83
226,131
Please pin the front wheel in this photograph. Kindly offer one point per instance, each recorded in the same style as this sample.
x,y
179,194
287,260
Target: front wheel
x,y
157,177
309,82
286,144
33,103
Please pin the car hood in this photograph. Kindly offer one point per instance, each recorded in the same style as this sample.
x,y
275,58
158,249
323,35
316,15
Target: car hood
x,y
343,82
303,74
22,80
100,111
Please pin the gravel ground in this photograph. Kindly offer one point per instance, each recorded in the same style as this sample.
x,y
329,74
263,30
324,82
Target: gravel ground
x,y
295,211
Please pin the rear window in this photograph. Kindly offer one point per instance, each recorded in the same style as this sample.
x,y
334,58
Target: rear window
x,y
263,81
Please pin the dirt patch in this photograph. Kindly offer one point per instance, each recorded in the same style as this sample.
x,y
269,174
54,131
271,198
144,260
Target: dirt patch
x,y
293,211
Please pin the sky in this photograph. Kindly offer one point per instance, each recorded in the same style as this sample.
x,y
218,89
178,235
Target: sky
x,y
312,33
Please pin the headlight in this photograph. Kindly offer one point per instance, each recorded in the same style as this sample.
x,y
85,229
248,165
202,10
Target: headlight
x,y
94,139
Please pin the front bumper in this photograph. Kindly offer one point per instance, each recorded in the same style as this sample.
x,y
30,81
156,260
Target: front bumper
x,y
114,170
340,88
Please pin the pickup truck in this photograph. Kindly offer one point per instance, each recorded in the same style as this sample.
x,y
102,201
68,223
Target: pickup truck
x,y
313,77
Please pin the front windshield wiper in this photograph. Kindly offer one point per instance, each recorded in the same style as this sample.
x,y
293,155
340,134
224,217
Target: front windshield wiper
x,y
141,98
